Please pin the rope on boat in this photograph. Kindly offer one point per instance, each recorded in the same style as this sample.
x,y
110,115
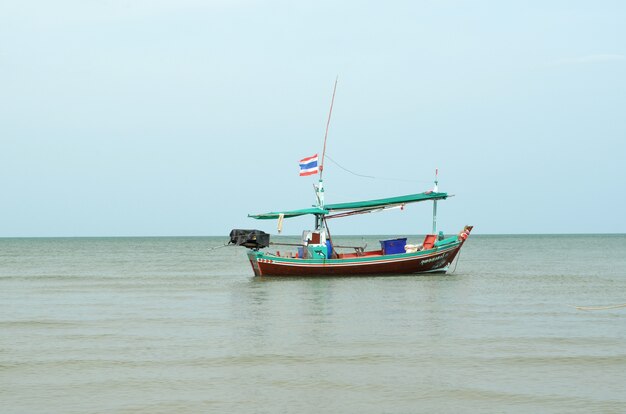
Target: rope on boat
x,y
219,247
591,308
458,257
372,177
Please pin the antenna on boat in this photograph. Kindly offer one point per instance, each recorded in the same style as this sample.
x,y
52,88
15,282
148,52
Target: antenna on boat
x,y
436,190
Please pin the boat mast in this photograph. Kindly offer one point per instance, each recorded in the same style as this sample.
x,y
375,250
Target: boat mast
x,y
320,186
330,112
435,189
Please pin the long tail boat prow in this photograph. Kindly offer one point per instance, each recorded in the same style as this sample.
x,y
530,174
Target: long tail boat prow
x,y
317,255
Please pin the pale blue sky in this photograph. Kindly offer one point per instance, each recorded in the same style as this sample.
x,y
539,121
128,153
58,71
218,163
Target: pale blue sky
x,y
131,118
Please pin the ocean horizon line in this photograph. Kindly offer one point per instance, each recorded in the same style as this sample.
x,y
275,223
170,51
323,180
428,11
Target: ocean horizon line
x,y
298,235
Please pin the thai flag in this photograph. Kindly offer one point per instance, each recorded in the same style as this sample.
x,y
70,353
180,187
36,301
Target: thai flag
x,y
308,166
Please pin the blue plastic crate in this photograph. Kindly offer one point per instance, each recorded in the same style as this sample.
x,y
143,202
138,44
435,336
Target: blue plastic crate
x,y
393,246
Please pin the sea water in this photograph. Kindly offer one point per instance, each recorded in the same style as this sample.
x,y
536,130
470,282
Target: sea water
x,y
160,325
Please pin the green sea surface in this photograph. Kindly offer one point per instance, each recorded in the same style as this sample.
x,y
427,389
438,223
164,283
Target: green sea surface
x,y
163,325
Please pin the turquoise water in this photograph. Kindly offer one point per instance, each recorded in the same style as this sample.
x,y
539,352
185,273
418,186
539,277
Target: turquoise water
x,y
159,325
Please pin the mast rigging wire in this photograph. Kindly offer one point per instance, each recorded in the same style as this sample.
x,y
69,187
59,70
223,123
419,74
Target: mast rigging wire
x,y
373,177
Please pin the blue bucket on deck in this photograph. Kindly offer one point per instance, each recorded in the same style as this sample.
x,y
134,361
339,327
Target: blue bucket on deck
x,y
301,252
393,246
329,249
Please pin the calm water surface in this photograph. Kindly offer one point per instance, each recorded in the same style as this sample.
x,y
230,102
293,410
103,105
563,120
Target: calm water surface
x,y
159,325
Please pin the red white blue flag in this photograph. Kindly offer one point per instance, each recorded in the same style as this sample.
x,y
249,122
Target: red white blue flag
x,y
308,166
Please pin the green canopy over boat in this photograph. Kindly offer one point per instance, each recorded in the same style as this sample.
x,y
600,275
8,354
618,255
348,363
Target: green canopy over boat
x,y
386,202
288,214
356,206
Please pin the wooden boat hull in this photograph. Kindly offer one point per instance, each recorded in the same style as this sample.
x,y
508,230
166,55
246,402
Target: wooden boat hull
x,y
426,261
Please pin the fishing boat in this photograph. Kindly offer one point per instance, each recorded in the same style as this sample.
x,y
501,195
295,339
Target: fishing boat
x,y
317,255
